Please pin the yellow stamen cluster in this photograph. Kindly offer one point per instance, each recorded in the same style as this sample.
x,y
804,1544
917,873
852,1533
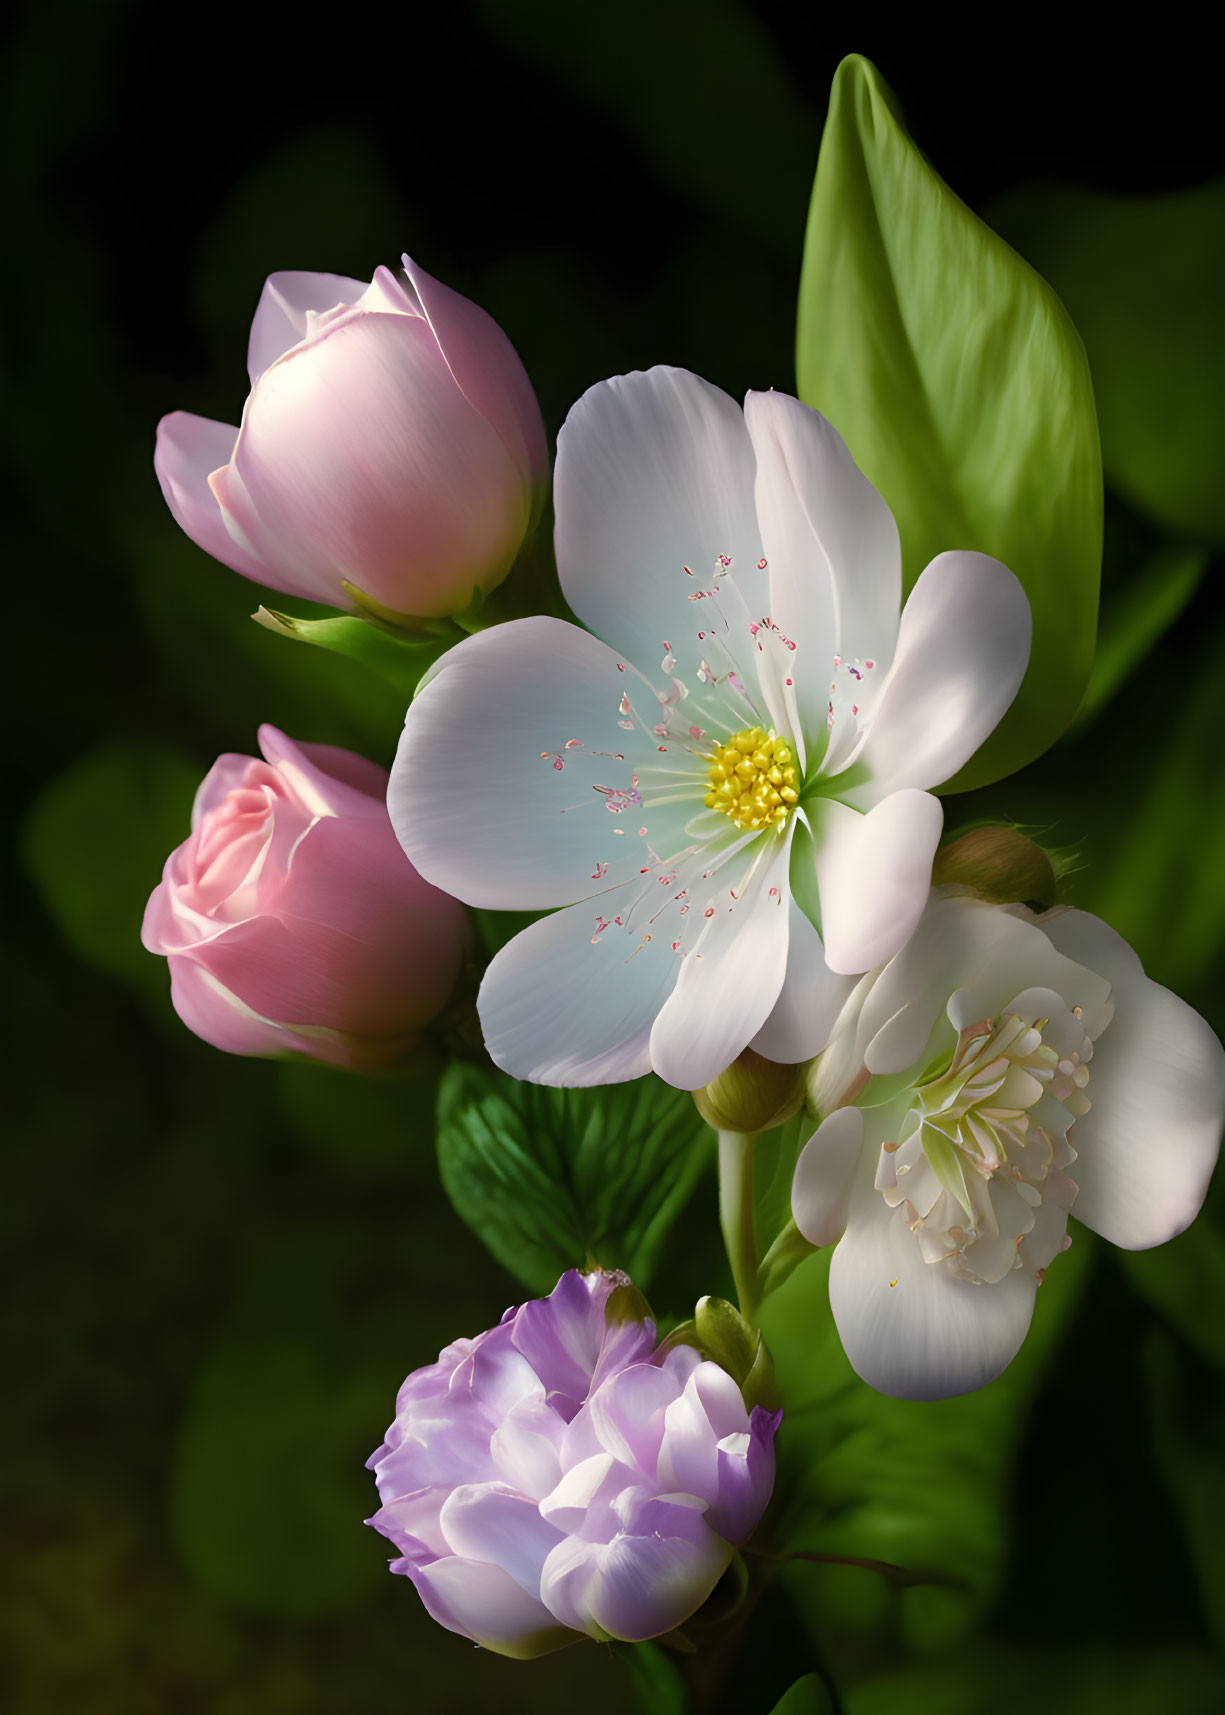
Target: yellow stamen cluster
x,y
753,779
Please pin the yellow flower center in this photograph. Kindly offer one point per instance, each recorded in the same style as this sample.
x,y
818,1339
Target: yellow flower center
x,y
753,779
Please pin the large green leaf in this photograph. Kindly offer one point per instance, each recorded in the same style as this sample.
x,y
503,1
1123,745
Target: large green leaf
x,y
1142,276
961,388
552,1179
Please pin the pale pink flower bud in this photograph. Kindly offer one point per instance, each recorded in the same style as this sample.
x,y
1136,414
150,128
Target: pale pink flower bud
x,y
391,441
558,1476
291,919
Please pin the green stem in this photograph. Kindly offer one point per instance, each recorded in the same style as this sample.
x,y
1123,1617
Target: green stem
x,y
737,1216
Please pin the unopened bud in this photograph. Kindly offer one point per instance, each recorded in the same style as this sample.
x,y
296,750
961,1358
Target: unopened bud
x,y
753,1094
998,864
719,1332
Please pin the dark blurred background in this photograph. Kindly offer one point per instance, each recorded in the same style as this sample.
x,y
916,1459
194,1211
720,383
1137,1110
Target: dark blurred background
x,y
220,1269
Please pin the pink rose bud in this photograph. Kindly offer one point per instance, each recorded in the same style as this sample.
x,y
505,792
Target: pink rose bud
x,y
292,920
557,1476
391,441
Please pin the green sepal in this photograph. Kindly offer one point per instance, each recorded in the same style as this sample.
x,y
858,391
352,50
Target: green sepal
x,y
722,1334
401,660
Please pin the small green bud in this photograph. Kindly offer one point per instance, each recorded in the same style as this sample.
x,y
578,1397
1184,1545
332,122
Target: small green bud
x,y
1000,865
625,1303
720,1333
752,1095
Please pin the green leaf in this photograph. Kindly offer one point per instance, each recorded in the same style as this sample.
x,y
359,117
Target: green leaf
x,y
401,663
556,1179
807,1696
95,843
657,1680
1156,884
1143,615
749,170
267,1488
1185,1279
962,389
1142,276
1187,1405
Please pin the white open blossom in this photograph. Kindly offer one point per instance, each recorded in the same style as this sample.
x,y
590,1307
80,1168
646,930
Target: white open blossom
x,y
726,787
1005,1070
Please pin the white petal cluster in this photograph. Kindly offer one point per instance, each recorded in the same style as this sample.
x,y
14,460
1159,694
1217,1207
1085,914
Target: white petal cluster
x,y
1001,1071
741,580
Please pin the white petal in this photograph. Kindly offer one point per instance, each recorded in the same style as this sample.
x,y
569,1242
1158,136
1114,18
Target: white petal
x,y
731,975
966,960
655,475
569,1003
909,1328
874,875
962,650
835,559
809,1001
825,1175
1147,1146
500,788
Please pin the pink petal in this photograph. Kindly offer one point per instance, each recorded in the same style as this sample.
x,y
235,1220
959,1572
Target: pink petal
x,y
487,371
280,318
190,450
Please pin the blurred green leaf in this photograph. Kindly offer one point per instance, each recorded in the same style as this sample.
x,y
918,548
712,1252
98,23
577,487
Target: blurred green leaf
x,y
1159,886
657,1680
267,1489
807,1696
95,843
199,615
1188,1418
1185,1279
699,85
961,388
550,1178
923,1485
321,199
1143,615
1142,277
371,1128
1072,1679
267,1506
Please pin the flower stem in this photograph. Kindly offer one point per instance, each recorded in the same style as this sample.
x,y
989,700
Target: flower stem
x,y
736,1215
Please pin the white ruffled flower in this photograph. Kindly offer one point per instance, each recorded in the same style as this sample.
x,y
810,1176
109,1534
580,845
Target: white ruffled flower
x,y
1007,1070
734,769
